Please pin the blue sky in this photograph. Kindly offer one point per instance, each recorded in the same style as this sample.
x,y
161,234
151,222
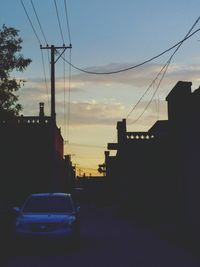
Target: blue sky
x,y
106,35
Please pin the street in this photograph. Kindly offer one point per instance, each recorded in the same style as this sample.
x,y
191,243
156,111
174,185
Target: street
x,y
108,239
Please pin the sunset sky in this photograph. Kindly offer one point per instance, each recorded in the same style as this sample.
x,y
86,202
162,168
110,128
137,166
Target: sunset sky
x,y
106,35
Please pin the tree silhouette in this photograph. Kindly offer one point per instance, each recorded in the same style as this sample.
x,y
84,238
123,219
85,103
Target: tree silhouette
x,y
10,59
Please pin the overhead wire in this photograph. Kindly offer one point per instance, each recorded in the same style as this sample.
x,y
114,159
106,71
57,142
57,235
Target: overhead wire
x,y
67,20
164,69
45,78
143,63
157,103
41,29
64,115
111,72
59,23
69,77
148,88
33,28
40,43
136,65
86,145
152,97
69,98
42,55
188,35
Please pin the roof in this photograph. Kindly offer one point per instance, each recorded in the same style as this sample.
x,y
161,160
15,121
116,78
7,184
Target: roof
x,y
161,127
181,89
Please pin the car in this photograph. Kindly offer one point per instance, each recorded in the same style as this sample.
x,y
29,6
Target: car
x,y
49,217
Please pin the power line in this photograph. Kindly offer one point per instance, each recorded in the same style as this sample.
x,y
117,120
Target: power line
x,y
30,22
121,70
85,145
61,33
134,66
36,35
165,68
45,78
117,71
42,55
39,22
67,19
88,168
69,79
158,105
69,98
148,88
157,87
65,125
67,121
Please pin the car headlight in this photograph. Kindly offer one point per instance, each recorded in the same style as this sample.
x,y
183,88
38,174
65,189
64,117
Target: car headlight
x,y
69,221
21,225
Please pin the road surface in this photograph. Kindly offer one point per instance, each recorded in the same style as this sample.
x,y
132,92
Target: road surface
x,y
108,239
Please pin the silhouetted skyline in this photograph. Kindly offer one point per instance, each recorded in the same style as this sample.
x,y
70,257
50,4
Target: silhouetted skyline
x,y
120,35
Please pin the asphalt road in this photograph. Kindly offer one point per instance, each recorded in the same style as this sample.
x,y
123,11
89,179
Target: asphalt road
x,y
108,239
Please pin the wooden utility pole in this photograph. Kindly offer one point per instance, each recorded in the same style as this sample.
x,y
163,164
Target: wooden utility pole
x,y
53,62
53,184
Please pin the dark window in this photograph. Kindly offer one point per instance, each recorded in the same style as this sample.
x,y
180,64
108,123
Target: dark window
x,y
48,204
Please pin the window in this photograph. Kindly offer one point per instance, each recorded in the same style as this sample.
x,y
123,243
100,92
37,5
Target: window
x,y
48,204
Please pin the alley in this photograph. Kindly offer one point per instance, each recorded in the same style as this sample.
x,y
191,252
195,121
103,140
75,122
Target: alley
x,y
108,239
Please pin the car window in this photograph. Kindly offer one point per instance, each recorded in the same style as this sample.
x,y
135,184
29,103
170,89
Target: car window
x,y
48,204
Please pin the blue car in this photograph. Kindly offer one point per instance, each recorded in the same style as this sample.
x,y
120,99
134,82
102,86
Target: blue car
x,y
49,217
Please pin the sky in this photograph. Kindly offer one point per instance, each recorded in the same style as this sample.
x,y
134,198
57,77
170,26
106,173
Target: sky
x,y
106,35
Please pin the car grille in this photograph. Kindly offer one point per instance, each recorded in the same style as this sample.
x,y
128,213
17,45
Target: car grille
x,y
42,227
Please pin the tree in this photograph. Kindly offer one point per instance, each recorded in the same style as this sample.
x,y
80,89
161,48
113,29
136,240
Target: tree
x,y
10,59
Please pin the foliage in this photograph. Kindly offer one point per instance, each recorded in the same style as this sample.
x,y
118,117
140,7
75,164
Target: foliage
x,y
10,60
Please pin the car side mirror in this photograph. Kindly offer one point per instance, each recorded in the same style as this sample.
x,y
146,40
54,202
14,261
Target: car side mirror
x,y
16,209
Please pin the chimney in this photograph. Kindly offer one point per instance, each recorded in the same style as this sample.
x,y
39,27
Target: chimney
x,y
121,131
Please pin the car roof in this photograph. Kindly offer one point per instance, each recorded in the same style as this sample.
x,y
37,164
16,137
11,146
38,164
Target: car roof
x,y
49,194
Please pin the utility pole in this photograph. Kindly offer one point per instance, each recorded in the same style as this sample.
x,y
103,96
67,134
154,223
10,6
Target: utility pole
x,y
53,184
53,62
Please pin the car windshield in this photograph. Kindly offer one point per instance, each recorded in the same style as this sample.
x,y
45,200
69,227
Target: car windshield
x,y
48,204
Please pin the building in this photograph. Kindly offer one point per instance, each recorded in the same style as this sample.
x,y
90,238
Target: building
x,y
32,157
156,173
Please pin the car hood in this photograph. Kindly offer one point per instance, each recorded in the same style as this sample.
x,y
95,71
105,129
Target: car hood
x,y
36,218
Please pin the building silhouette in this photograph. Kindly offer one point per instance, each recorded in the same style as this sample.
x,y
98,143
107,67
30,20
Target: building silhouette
x,y
32,157
155,174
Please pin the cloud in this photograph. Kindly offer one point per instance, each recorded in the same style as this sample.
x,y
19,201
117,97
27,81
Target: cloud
x,y
39,84
157,110
139,77
155,106
106,112
35,91
93,113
